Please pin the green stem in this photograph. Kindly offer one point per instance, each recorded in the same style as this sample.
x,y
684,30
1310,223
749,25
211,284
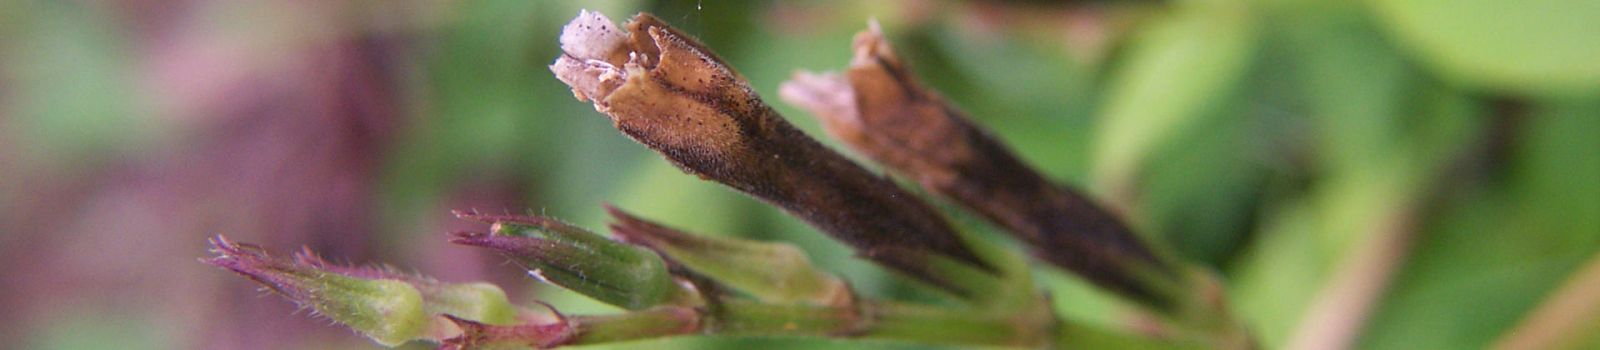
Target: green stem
x,y
933,325
1201,311
1076,336
871,320
656,322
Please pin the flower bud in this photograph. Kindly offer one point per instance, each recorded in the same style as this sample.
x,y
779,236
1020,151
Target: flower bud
x,y
612,272
772,272
478,301
388,306
388,311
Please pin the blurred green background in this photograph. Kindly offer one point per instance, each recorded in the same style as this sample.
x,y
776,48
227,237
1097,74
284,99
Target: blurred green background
x,y
1448,151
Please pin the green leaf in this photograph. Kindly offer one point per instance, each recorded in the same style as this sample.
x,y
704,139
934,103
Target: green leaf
x,y
1532,46
1491,257
1177,68
1201,192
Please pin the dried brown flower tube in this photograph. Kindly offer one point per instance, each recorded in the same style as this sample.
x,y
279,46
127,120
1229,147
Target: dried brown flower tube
x,y
878,109
670,93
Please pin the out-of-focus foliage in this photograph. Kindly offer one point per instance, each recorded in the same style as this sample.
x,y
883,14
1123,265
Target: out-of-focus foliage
x,y
1529,47
1273,140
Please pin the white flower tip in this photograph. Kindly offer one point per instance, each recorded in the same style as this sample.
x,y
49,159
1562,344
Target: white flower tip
x,y
829,96
587,43
591,36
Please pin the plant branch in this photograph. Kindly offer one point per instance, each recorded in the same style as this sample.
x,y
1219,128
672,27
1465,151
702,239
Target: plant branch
x,y
877,320
1565,319
1342,308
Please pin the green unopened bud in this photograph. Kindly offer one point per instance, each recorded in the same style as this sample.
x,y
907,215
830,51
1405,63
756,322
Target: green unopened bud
x,y
772,272
481,302
477,301
612,272
389,311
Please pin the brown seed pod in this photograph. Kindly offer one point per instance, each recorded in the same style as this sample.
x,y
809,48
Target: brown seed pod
x,y
880,110
668,92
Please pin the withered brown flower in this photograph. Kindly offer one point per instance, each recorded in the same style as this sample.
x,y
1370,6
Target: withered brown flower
x,y
668,92
881,111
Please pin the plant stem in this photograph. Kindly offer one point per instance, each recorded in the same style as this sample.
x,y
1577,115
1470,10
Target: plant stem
x,y
1077,336
645,324
869,320
1341,308
890,321
1566,319
931,325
